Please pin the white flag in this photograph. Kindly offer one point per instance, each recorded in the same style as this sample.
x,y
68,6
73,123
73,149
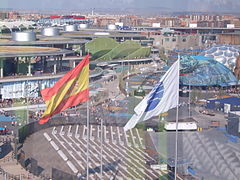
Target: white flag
x,y
164,96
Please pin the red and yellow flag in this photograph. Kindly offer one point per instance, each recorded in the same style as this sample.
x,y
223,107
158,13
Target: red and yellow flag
x,y
71,90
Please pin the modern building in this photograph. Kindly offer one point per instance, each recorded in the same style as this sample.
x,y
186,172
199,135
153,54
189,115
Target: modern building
x,y
205,71
22,60
225,54
170,41
17,24
225,105
63,20
25,70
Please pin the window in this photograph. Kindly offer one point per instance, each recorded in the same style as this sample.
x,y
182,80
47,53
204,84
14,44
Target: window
x,y
166,39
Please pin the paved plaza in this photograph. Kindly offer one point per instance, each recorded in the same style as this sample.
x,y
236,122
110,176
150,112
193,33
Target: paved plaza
x,y
64,148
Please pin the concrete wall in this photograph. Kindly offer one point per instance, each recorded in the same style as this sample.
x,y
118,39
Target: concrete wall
x,y
180,42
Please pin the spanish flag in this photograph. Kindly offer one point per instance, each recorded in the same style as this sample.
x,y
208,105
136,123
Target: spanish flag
x,y
71,90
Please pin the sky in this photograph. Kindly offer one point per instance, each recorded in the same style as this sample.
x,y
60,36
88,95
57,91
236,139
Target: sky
x,y
141,5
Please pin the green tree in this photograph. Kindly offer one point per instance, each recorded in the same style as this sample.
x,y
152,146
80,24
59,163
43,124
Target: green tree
x,y
162,55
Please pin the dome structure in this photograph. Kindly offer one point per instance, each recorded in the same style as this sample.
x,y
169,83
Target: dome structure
x,y
24,36
205,71
225,54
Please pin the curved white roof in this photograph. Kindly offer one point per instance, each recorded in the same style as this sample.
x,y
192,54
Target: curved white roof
x,y
224,54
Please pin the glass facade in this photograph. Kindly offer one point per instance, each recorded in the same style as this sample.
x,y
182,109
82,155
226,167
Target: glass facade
x,y
205,71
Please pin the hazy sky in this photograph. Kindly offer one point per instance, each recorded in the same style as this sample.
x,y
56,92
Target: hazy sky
x,y
146,5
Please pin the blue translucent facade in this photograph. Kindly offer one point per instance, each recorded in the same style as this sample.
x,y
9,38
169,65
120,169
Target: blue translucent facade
x,y
204,71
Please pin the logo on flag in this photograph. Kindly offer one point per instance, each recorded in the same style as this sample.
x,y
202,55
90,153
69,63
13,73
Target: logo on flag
x,y
164,96
155,97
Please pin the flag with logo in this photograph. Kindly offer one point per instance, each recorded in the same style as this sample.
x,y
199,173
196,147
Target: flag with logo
x,y
71,90
164,96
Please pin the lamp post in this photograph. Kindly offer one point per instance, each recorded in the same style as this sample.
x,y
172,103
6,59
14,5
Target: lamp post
x,y
16,138
189,100
27,96
189,96
101,158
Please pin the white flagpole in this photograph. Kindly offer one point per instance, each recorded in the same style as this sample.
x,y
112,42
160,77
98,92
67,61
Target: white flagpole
x,y
176,141
101,170
189,100
87,139
88,134
27,96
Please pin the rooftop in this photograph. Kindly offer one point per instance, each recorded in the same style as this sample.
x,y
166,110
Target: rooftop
x,y
28,51
205,71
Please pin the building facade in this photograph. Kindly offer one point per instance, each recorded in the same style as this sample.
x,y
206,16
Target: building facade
x,y
177,41
229,38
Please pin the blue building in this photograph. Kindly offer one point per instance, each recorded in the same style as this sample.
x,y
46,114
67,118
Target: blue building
x,y
225,105
205,71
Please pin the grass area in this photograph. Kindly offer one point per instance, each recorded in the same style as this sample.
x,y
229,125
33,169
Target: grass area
x,y
100,46
122,50
104,48
140,53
